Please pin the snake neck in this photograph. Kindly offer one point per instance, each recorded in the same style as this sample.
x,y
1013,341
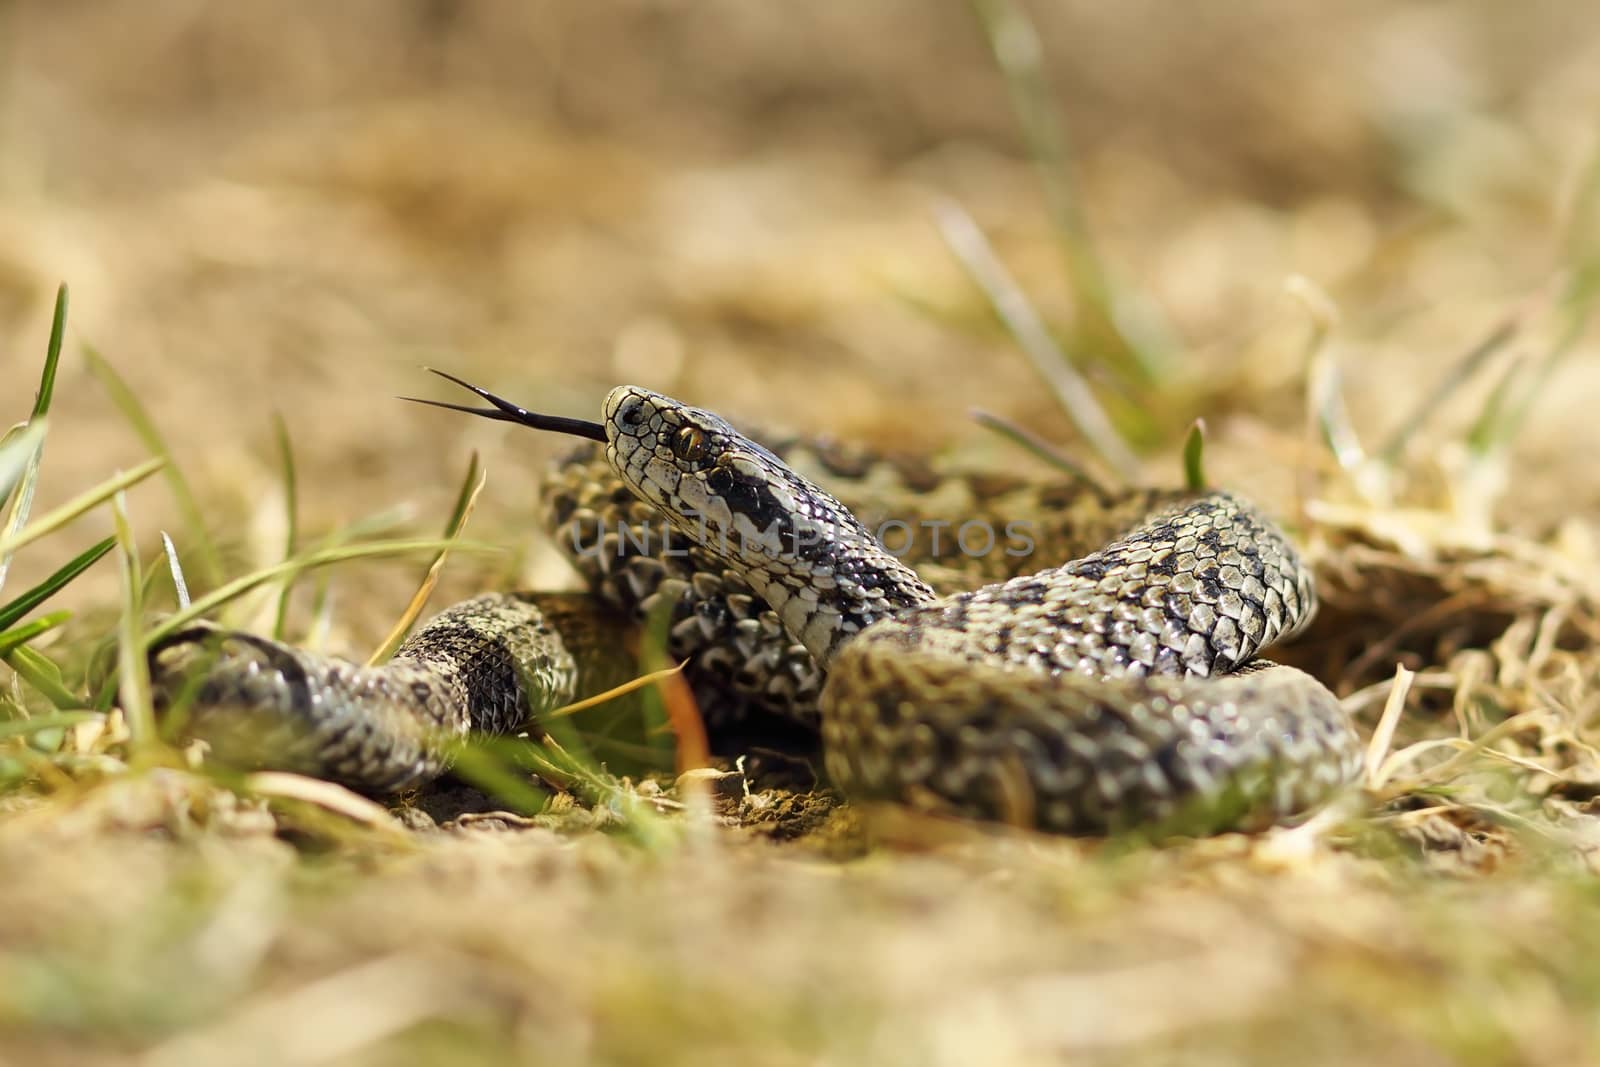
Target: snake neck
x,y
803,551
846,583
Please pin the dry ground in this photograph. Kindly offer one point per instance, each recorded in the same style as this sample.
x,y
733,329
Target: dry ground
x,y
282,210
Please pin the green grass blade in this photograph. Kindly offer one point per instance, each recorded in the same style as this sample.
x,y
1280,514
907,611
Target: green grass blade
x,y
39,672
1455,376
57,721
1194,467
52,354
22,504
484,764
1488,430
11,613
133,671
78,505
471,486
210,567
238,586
1507,412
291,504
23,634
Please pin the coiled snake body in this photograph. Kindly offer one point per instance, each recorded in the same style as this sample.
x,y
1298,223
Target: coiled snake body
x,y
1117,691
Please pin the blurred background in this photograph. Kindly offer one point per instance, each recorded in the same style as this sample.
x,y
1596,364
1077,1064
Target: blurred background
x,y
288,208
284,209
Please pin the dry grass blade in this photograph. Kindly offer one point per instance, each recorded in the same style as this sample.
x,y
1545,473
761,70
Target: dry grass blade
x,y
326,795
1324,382
614,692
970,246
19,466
466,499
180,585
17,449
1383,736
1465,750
1038,446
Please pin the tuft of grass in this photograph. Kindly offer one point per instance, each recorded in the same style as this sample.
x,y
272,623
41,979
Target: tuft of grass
x,y
20,462
1503,418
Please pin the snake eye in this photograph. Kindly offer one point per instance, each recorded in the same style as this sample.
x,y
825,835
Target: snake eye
x,y
690,443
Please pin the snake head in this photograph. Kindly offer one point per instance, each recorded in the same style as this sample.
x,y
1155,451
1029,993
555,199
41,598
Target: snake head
x,y
727,492
796,545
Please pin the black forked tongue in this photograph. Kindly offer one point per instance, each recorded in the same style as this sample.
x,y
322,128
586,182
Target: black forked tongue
x,y
505,411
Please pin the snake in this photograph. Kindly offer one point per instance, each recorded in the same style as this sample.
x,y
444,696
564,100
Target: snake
x,y
1117,689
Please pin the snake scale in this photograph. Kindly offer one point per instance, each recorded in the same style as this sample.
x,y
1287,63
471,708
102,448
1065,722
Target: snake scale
x,y
1118,690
